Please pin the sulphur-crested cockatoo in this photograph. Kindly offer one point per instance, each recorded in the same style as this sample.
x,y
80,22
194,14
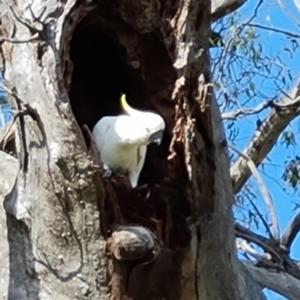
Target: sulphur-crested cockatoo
x,y
122,141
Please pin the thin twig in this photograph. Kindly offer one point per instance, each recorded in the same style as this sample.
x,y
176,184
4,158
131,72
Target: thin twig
x,y
233,115
25,108
20,103
265,193
35,37
9,128
267,227
291,34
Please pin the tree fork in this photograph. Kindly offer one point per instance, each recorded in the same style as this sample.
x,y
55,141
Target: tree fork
x,y
72,234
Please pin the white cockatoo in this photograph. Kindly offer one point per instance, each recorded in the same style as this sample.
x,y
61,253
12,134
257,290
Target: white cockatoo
x,y
122,141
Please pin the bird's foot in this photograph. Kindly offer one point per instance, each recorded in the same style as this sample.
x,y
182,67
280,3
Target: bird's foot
x,y
146,190
144,186
148,194
107,172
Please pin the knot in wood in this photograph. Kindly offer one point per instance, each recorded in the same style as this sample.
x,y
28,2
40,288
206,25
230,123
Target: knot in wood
x,y
128,243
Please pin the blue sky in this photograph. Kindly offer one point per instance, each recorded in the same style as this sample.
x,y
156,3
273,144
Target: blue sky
x,y
270,14
4,108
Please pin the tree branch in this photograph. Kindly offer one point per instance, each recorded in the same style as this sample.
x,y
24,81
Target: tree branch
x,y
279,282
233,115
244,246
287,33
221,8
259,240
276,257
265,137
265,193
291,232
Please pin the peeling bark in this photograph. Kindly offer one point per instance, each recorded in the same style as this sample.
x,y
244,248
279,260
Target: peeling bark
x,y
72,234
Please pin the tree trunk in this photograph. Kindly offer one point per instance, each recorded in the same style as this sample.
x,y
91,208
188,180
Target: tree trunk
x,y
72,234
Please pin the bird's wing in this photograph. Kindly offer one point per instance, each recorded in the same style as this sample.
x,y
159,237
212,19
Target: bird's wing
x,y
141,154
101,131
135,170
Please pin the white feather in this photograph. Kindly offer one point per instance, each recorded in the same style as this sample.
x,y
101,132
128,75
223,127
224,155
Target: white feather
x,y
122,141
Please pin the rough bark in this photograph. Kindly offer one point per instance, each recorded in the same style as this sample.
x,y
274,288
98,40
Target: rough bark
x,y
72,235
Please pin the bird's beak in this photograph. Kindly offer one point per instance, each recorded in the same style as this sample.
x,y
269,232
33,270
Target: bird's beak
x,y
156,137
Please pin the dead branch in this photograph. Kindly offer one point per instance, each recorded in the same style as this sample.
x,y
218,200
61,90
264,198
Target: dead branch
x,y
265,137
291,232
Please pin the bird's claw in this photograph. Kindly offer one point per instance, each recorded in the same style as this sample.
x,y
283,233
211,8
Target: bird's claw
x,y
148,193
107,173
147,190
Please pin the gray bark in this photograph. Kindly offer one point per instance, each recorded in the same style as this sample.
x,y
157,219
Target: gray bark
x,y
265,136
7,181
221,8
278,281
72,235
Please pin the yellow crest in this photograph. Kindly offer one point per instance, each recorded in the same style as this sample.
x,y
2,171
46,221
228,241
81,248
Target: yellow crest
x,y
125,106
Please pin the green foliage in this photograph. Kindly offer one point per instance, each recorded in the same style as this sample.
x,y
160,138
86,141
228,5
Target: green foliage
x,y
246,64
288,139
291,173
247,72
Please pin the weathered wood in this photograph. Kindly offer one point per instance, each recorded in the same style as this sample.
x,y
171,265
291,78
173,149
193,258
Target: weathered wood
x,y
9,167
